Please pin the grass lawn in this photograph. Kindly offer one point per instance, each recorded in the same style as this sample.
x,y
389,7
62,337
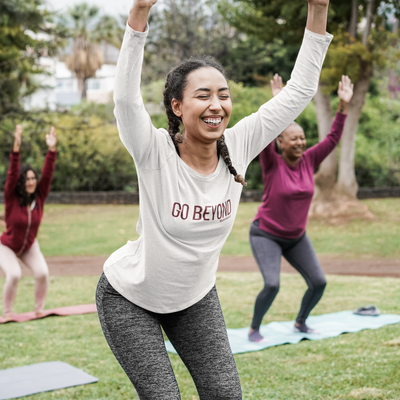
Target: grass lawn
x,y
364,365
99,230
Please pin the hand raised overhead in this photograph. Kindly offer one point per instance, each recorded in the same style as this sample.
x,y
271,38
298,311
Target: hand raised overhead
x,y
276,85
18,135
345,90
51,139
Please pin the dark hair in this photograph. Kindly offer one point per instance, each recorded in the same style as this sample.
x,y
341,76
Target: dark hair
x,y
24,198
174,87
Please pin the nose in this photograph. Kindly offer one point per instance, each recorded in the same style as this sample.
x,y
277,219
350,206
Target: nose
x,y
215,104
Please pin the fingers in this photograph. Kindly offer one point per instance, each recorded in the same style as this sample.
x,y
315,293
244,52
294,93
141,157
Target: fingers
x,y
53,131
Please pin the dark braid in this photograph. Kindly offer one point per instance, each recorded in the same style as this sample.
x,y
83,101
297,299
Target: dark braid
x,y
222,149
175,86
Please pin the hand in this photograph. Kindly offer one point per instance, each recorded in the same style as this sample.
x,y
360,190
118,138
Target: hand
x,y
17,140
276,85
345,91
51,139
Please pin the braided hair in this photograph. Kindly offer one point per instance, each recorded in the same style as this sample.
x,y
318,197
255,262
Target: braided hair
x,y
24,198
174,87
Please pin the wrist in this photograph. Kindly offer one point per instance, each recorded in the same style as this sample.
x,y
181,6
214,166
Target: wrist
x,y
342,107
16,149
52,148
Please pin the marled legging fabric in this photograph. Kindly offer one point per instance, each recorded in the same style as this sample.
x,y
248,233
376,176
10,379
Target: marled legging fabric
x,y
268,250
198,334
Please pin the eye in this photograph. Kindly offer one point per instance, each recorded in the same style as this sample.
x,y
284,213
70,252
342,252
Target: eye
x,y
224,97
203,97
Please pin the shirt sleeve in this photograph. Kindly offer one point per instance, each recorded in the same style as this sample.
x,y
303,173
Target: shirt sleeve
x,y
12,175
268,157
320,151
143,141
253,133
47,174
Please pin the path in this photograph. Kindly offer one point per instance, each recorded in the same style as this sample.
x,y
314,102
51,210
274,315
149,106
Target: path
x,y
93,265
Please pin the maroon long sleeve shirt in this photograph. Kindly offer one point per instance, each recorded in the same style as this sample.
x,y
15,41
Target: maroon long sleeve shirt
x,y
288,191
23,224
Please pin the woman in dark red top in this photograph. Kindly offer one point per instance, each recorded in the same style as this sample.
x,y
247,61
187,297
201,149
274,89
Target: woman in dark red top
x,y
24,199
279,226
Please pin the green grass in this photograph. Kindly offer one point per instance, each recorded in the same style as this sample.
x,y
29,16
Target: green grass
x,y
364,365
99,230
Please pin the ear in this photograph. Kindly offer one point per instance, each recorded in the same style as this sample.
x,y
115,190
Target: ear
x,y
176,107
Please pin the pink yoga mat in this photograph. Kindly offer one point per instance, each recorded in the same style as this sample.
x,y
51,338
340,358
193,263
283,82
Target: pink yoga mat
x,y
61,311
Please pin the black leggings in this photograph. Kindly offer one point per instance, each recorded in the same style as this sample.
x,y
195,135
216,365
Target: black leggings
x,y
198,334
267,250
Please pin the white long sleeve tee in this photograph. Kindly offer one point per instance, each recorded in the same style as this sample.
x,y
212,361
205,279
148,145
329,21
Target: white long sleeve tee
x,y
185,217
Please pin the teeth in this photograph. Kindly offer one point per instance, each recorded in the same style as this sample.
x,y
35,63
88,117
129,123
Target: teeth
x,y
213,121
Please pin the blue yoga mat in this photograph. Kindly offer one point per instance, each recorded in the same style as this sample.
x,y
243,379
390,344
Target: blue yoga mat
x,y
329,325
41,377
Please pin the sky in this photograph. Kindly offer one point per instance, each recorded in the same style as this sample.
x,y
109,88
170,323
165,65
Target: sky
x,y
113,7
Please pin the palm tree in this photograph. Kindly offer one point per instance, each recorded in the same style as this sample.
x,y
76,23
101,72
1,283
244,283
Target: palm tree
x,y
88,29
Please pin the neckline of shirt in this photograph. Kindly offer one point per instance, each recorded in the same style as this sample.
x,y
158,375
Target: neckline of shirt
x,y
200,176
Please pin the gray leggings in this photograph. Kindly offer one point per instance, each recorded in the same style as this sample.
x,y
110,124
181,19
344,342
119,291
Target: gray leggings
x,y
267,250
198,334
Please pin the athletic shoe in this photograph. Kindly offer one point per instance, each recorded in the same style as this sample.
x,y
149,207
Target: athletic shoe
x,y
303,328
255,336
370,310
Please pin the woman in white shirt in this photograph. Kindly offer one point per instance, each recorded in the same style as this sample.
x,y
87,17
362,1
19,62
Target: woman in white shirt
x,y
188,202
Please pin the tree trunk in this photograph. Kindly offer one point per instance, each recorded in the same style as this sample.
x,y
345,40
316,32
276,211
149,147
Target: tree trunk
x,y
326,176
347,184
353,19
367,29
82,88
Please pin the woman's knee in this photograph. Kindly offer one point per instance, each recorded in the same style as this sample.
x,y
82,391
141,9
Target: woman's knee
x,y
271,287
13,277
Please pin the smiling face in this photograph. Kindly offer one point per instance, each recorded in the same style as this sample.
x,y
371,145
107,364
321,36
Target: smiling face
x,y
206,105
30,182
292,142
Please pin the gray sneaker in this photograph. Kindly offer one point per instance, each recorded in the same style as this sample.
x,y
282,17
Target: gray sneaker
x,y
370,310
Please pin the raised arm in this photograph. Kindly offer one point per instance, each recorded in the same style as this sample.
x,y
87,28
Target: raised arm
x,y
254,133
13,170
49,164
320,151
136,130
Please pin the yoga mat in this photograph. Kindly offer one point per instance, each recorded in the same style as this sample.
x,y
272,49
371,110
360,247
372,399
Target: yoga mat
x,y
41,377
61,311
329,325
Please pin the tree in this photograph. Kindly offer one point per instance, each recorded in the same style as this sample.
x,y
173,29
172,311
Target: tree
x,y
202,30
88,29
355,52
27,32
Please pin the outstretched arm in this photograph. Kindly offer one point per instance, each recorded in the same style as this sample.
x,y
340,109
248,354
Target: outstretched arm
x,y
136,130
321,150
252,134
49,164
13,170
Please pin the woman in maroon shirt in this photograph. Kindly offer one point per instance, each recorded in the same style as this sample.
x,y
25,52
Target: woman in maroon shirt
x,y
279,226
24,199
